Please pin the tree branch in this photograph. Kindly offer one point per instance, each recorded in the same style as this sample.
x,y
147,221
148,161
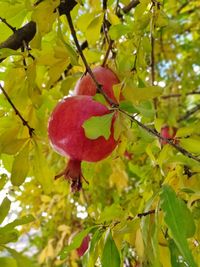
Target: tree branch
x,y
131,5
155,133
189,113
179,95
25,123
88,69
7,24
17,39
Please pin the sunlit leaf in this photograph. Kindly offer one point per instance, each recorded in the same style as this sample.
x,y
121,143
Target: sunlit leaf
x,y
179,220
110,256
20,166
8,262
140,94
104,126
93,29
4,209
17,222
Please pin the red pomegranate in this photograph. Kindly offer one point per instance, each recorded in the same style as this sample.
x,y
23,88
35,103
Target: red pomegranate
x,y
104,76
168,133
68,138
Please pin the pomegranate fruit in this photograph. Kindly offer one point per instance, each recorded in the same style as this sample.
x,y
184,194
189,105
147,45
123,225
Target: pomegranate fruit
x,y
67,135
84,246
104,76
168,132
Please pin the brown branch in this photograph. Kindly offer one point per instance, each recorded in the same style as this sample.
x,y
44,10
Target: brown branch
x,y
140,215
131,5
189,113
7,24
179,95
155,133
25,123
17,39
88,69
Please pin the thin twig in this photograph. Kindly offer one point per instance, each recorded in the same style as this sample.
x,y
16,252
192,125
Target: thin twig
x,y
189,113
107,53
155,133
155,100
131,5
25,123
88,69
140,215
179,95
7,24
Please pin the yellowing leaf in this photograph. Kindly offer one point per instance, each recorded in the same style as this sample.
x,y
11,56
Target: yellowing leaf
x,y
140,94
139,245
45,19
20,166
93,29
191,144
42,170
4,209
9,144
98,126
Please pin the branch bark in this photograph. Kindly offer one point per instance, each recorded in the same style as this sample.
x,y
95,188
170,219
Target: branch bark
x,y
155,133
25,123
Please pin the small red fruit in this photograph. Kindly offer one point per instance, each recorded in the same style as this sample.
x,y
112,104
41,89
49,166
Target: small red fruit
x,y
84,246
104,76
68,138
168,133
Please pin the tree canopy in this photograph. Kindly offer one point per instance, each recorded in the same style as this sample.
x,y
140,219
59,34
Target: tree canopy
x,y
141,205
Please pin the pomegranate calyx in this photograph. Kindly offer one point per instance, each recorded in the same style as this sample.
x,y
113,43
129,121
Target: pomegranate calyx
x,y
73,173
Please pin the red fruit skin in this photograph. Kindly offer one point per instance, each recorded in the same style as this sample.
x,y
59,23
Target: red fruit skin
x,y
104,76
168,132
84,246
67,135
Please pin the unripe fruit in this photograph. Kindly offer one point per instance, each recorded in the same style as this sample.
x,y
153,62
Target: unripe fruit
x,y
68,138
168,133
104,76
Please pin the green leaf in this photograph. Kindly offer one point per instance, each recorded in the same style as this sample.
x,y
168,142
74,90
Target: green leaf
x,y
179,220
72,54
3,179
110,256
20,166
116,31
20,259
175,255
10,236
92,254
98,126
76,242
191,144
128,106
4,209
24,220
6,52
8,262
134,94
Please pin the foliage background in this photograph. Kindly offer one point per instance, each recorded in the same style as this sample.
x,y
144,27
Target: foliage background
x,y
142,204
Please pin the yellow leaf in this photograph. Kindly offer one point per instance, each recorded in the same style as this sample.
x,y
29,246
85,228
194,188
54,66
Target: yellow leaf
x,y
135,95
42,170
139,245
165,257
45,19
20,166
93,29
